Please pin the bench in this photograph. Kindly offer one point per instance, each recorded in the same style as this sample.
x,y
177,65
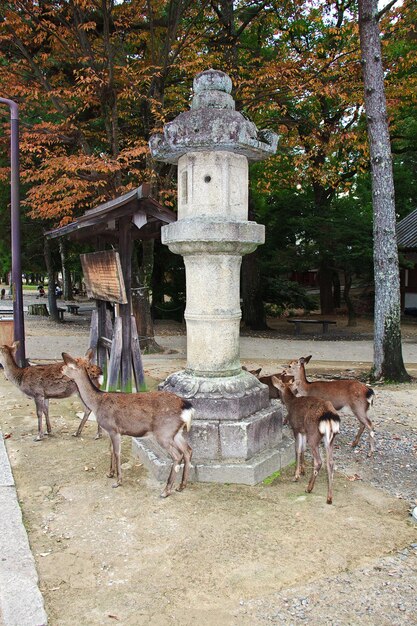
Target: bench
x,y
73,308
86,309
298,324
61,313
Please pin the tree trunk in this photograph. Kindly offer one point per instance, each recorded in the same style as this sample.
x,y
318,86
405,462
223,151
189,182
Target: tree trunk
x,y
388,360
325,279
352,319
253,307
53,309
337,295
141,279
66,275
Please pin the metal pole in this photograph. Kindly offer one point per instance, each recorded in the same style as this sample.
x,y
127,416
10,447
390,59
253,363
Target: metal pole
x,y
19,327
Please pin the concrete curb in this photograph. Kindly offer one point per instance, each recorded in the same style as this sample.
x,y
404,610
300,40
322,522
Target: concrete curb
x,y
21,602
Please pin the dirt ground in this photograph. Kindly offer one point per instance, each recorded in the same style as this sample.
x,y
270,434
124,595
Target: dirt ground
x,y
218,554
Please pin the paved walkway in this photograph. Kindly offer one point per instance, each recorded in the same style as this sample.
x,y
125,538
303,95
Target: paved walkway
x,y
21,602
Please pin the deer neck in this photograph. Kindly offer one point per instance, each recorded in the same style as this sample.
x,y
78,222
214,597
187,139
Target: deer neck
x,y
13,372
287,396
89,393
301,377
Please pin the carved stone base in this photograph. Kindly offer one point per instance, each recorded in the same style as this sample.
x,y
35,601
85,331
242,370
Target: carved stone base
x,y
249,472
244,450
236,434
219,398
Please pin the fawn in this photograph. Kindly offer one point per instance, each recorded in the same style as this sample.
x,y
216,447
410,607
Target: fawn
x,y
311,420
267,380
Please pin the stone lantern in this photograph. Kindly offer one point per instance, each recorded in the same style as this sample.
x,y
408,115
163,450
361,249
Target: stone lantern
x,y
236,434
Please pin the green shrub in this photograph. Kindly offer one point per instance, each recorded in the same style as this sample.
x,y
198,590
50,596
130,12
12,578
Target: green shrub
x,y
283,293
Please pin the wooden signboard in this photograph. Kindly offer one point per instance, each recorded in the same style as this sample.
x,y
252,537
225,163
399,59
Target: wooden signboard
x,y
103,276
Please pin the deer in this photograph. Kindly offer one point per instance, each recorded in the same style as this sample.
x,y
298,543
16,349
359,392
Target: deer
x,y
160,413
341,393
311,420
42,382
267,380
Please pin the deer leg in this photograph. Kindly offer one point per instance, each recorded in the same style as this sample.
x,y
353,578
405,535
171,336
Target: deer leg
x,y
300,443
365,422
358,436
46,413
82,423
116,440
39,413
177,456
187,454
316,467
330,470
87,414
112,461
302,464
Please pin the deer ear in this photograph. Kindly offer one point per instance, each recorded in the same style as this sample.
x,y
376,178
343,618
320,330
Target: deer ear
x,y
276,382
67,358
308,358
89,354
15,345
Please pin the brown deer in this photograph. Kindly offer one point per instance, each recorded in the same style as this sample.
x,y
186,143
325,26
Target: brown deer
x,y
42,382
160,413
267,380
341,393
311,420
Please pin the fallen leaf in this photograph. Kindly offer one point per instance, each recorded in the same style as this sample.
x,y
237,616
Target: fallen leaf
x,y
7,435
354,477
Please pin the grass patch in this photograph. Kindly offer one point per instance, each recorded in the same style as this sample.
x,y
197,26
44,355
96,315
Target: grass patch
x,y
270,479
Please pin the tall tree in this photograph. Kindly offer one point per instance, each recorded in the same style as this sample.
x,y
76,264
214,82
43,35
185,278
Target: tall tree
x,y
388,360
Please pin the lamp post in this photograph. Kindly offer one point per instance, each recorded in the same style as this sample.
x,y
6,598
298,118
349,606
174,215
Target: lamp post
x,y
19,328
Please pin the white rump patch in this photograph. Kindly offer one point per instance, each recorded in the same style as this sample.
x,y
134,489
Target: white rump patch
x,y
187,417
323,427
329,428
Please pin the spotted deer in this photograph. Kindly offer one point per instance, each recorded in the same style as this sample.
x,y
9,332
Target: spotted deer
x,y
42,382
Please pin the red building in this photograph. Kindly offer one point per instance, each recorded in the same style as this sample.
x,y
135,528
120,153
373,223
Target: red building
x,y
407,243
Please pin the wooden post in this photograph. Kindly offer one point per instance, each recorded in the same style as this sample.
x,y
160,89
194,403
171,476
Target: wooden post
x,y
101,324
138,372
93,340
125,253
115,356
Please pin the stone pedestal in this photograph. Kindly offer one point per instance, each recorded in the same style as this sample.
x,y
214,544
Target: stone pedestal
x,y
236,434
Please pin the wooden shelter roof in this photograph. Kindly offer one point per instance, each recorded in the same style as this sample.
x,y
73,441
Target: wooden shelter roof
x,y
407,231
147,217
